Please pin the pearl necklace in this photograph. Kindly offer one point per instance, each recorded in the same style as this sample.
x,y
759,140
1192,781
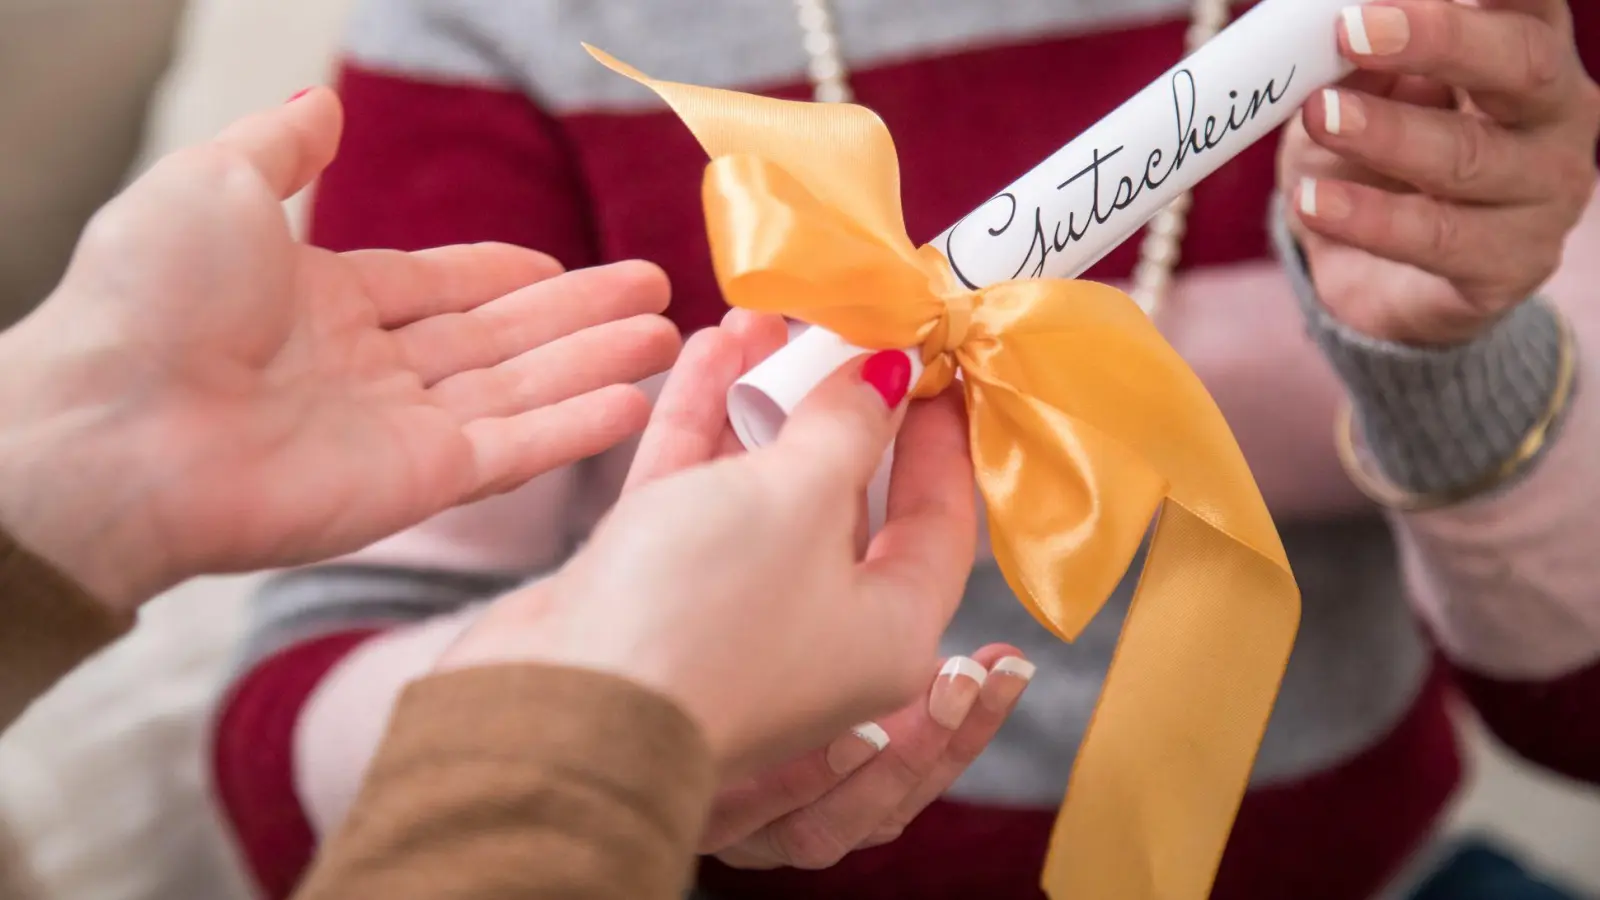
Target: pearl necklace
x,y
1163,240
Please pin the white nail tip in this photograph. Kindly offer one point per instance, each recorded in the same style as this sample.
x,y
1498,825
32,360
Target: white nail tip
x,y
1308,196
1014,667
1355,25
1331,111
961,666
873,734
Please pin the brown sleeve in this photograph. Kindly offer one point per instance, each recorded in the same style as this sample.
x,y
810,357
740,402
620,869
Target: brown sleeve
x,y
525,781
48,625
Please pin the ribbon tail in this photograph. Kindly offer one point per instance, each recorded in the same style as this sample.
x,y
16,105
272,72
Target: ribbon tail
x,y
1084,423
1167,756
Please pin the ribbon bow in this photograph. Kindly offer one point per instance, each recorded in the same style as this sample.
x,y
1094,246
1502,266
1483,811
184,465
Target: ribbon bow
x,y
1084,423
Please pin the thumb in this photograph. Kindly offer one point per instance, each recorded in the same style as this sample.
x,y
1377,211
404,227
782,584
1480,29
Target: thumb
x,y
839,433
291,145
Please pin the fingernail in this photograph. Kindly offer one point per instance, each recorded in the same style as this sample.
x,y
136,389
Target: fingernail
x,y
1006,682
955,690
1319,200
298,95
889,373
1342,113
856,749
1377,30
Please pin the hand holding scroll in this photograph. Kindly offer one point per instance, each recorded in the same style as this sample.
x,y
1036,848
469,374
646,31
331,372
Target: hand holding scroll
x,y
220,396
1434,190
734,585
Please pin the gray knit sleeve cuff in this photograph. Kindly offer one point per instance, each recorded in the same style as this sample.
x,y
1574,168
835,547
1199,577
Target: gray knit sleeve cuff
x,y
1436,420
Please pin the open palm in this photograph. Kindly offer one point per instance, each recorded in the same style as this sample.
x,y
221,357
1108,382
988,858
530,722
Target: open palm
x,y
283,403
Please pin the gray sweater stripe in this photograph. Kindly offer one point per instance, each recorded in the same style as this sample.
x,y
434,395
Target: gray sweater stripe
x,y
535,44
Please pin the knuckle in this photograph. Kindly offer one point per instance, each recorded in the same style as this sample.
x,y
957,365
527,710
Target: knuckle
x,y
964,753
1542,57
1473,147
795,787
1446,22
1441,234
911,764
806,841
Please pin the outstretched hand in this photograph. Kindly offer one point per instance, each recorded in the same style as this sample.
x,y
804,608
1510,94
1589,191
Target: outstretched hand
x,y
205,393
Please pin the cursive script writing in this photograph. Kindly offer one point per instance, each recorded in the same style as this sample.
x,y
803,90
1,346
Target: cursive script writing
x,y
1106,196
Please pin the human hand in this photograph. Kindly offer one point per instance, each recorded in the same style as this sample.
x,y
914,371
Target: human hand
x,y
867,784
205,393
1434,190
735,586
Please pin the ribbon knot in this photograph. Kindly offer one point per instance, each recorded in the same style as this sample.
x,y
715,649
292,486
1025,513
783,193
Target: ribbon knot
x,y
939,349
1084,424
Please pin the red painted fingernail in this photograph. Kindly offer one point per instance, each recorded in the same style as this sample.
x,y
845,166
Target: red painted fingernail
x,y
298,95
889,373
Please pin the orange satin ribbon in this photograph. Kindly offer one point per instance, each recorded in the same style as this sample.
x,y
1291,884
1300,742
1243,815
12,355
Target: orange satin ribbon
x,y
1085,423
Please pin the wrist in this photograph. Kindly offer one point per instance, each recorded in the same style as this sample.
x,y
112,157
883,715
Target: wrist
x,y
1443,421
540,624
68,492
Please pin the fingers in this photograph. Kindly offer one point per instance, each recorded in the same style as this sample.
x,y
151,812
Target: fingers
x,y
509,452
760,334
1555,13
1008,678
1519,68
1465,244
819,834
686,427
408,287
745,808
834,441
1440,152
623,352
690,425
919,561
506,327
291,145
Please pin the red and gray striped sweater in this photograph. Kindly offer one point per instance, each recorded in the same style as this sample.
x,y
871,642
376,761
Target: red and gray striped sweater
x,y
479,120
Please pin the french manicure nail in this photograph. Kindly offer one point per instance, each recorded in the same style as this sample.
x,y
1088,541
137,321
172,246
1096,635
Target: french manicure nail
x,y
1007,680
1319,200
889,373
1343,113
955,690
854,750
1377,30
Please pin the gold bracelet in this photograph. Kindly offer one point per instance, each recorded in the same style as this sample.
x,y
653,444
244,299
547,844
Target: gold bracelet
x,y
1385,494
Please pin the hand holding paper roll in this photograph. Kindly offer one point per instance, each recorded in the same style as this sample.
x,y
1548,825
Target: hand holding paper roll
x,y
1433,193
681,614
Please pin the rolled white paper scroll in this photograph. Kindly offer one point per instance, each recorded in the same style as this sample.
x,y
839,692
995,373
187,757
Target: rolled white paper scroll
x,y
1091,195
